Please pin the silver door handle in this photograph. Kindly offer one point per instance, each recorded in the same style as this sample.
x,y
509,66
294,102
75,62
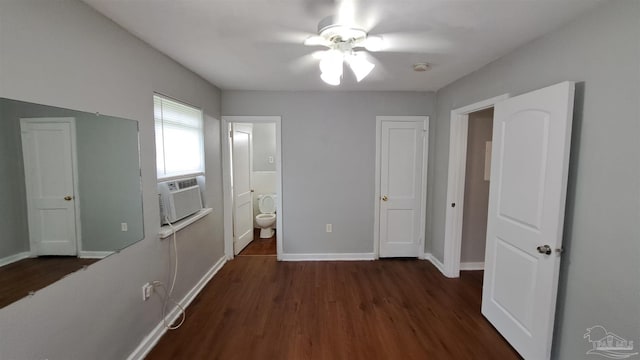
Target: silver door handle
x,y
544,249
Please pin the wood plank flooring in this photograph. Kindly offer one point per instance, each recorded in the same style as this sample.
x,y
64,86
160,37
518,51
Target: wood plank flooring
x,y
20,277
260,246
258,308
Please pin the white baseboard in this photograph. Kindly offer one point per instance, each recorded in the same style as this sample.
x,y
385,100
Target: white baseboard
x,y
439,265
328,257
154,336
15,257
479,265
94,254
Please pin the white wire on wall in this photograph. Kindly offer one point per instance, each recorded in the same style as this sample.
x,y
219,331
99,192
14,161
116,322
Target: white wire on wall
x,y
167,294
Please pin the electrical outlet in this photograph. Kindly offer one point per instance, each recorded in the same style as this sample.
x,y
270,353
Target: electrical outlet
x,y
124,226
147,290
329,228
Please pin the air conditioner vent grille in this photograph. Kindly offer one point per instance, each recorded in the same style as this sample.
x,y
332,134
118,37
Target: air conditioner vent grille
x,y
183,184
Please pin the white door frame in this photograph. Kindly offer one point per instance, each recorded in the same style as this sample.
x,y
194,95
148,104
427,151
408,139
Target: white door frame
x,y
226,179
425,157
74,163
458,132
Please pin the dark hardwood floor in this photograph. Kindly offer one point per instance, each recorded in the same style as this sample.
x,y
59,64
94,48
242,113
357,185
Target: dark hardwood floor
x,y
20,277
258,308
260,246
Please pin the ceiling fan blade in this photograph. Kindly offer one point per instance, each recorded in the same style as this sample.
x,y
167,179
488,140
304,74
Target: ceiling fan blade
x,y
304,64
415,43
318,7
287,37
316,40
374,43
319,55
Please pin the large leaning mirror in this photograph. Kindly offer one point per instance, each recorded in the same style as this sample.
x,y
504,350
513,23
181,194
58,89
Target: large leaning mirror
x,y
70,193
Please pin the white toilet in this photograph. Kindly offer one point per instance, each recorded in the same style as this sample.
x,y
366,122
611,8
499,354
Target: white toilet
x,y
267,217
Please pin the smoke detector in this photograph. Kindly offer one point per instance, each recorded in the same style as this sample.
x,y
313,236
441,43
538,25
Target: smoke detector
x,y
421,67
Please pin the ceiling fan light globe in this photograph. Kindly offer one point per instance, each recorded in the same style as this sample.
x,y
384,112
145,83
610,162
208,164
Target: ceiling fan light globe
x,y
330,79
331,63
374,43
319,55
360,66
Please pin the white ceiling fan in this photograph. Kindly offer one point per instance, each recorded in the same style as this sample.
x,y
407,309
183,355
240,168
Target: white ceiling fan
x,y
346,44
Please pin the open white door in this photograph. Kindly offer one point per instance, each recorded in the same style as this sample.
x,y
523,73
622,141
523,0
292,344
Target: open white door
x,y
531,141
49,175
242,190
402,180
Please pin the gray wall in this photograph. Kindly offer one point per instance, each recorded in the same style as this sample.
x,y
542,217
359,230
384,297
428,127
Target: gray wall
x,y
264,145
109,182
67,55
599,274
328,165
13,205
63,53
476,188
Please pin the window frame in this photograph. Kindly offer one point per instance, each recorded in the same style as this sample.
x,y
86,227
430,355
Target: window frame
x,y
167,176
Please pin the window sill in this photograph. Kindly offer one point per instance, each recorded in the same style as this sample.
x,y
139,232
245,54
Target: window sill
x,y
166,230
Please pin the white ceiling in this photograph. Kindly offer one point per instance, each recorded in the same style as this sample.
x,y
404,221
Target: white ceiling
x,y
257,44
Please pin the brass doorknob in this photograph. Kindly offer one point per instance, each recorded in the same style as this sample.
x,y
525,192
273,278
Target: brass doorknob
x,y
385,198
68,197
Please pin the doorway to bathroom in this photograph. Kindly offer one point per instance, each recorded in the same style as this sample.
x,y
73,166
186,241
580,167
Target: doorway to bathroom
x,y
475,205
470,148
252,185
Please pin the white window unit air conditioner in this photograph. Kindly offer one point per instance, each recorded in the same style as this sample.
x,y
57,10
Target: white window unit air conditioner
x,y
180,198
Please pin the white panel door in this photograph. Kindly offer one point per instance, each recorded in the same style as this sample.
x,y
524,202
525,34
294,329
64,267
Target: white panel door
x,y
48,165
531,140
242,187
402,150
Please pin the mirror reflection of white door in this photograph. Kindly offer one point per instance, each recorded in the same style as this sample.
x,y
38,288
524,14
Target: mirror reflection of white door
x,y
49,163
242,188
402,154
531,140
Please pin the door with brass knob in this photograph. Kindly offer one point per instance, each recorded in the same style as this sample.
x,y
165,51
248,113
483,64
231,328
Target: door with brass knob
x,y
49,161
402,164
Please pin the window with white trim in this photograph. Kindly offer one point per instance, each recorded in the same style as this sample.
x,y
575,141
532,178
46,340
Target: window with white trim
x,y
179,138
